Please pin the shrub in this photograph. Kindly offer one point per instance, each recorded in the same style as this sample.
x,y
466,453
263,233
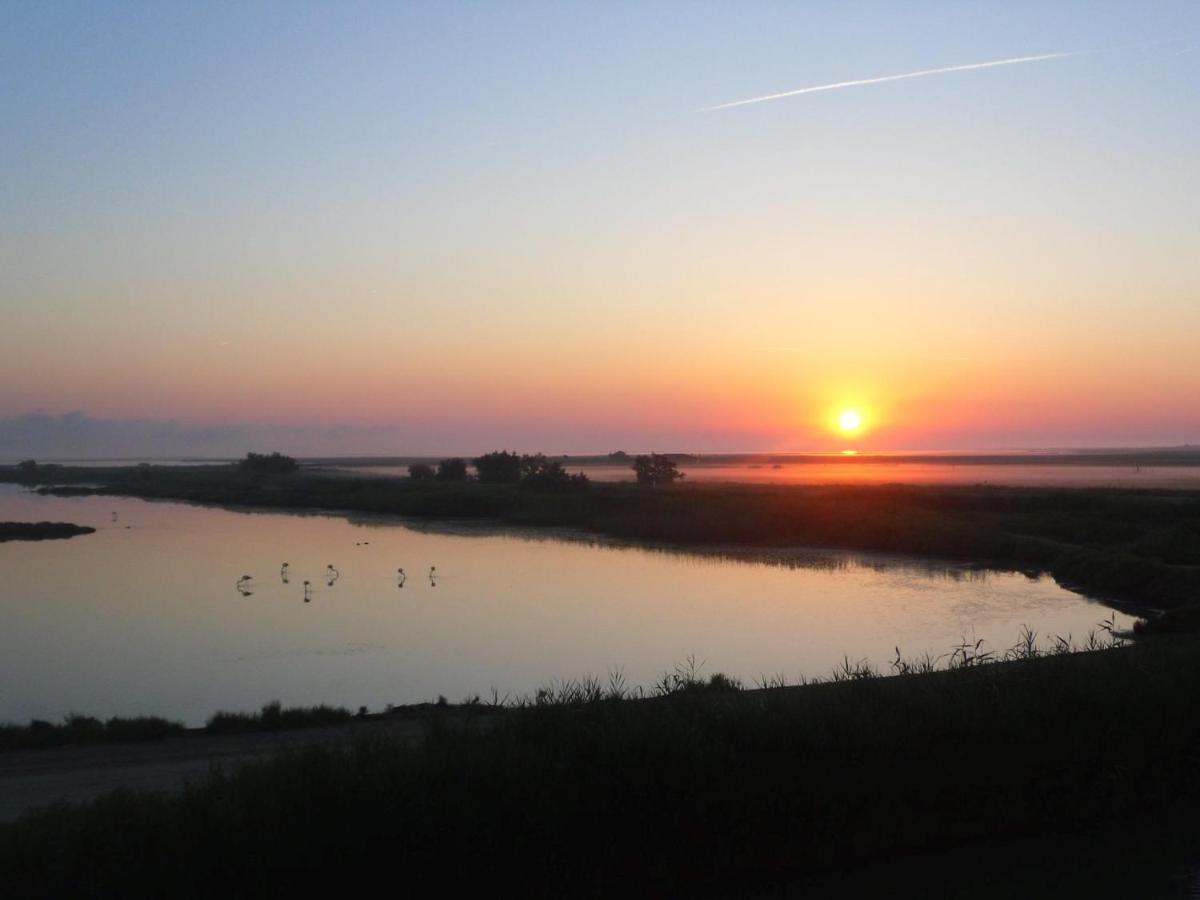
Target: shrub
x,y
499,467
541,474
420,472
656,468
453,469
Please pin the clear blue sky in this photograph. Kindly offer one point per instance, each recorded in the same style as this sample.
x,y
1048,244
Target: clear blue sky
x,y
468,224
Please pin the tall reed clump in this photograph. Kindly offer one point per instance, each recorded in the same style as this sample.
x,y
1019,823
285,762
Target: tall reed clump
x,y
275,717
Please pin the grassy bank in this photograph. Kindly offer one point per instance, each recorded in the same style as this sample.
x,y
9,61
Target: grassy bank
x,y
706,790
1141,548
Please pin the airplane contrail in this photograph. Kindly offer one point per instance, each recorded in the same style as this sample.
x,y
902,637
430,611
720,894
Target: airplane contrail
x,y
921,74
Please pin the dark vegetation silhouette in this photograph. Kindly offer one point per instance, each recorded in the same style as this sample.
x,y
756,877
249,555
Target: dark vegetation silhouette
x,y
548,475
453,469
41,531
499,467
30,471
655,469
421,472
533,471
268,464
276,717
701,789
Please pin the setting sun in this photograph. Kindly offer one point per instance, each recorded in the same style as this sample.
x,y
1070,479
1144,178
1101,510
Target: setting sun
x,y
849,420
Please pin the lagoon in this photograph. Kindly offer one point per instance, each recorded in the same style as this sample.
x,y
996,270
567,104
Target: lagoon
x,y
146,617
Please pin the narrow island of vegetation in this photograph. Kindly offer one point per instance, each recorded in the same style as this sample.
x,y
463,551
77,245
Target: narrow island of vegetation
x,y
41,531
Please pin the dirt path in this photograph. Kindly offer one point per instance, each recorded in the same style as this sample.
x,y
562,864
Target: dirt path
x,y
33,778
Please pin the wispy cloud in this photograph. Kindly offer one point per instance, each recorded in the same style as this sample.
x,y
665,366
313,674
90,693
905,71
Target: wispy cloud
x,y
858,82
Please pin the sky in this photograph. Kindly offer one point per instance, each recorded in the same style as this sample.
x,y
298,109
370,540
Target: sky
x,y
448,227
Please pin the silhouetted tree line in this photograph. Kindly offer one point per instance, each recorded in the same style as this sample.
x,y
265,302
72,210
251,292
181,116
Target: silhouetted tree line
x,y
538,472
268,464
30,471
532,471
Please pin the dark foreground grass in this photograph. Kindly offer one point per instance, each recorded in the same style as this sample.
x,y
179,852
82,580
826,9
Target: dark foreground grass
x,y
1140,548
713,792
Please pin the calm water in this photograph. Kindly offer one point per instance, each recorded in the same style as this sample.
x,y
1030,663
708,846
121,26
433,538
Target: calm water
x,y
145,617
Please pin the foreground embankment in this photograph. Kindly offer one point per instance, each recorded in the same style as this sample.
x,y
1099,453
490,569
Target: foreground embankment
x,y
1137,548
704,791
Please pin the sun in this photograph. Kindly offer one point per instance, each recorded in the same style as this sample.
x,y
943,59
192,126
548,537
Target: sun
x,y
849,420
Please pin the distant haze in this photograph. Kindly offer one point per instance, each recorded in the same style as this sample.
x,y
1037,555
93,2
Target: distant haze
x,y
77,436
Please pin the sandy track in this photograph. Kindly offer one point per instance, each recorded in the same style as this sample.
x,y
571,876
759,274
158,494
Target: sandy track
x,y
34,778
